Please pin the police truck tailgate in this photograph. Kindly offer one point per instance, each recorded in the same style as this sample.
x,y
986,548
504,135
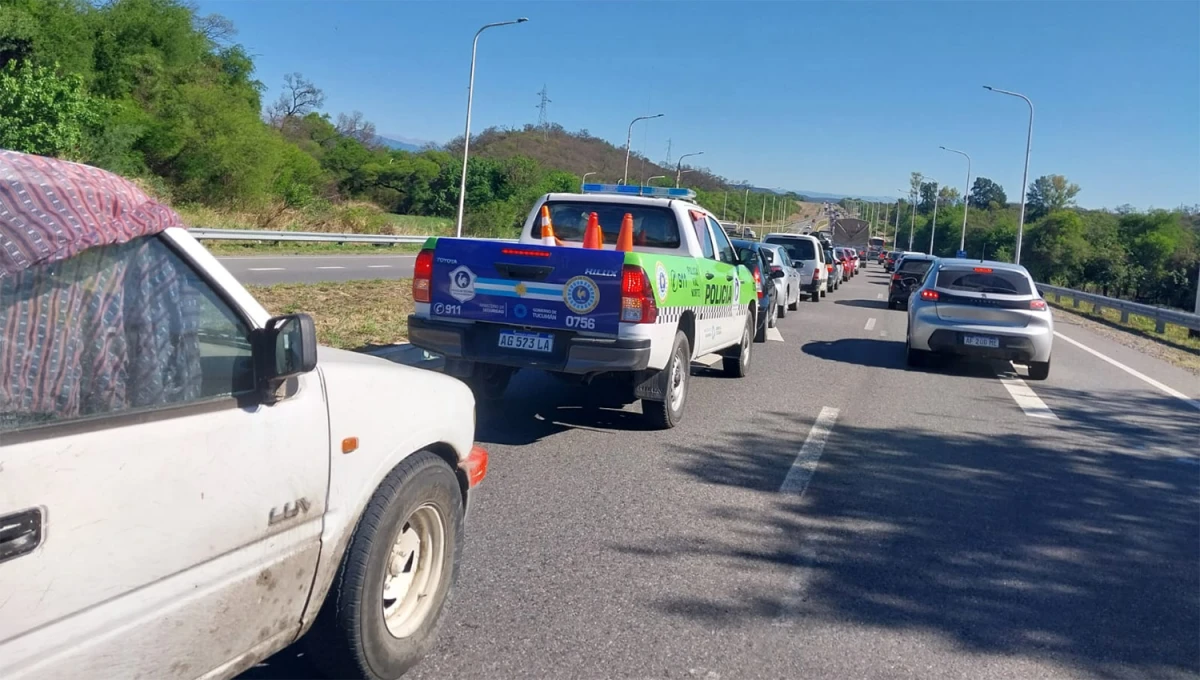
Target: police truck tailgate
x,y
559,288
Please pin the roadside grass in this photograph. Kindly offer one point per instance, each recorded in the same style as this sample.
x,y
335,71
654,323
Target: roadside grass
x,y
323,217
350,315
1141,325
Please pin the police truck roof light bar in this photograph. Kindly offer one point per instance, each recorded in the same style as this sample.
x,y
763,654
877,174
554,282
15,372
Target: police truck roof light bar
x,y
635,190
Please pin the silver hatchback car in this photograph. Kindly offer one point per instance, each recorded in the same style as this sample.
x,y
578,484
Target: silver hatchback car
x,y
980,309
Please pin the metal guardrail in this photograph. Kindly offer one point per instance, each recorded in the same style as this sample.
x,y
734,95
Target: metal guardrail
x,y
1161,315
299,236
309,237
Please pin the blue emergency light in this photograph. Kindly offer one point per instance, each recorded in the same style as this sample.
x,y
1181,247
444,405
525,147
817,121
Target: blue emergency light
x,y
635,190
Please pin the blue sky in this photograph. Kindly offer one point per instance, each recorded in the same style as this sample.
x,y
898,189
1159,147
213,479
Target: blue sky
x,y
845,97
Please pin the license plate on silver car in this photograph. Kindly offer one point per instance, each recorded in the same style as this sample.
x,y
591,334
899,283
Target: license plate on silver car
x,y
534,342
981,340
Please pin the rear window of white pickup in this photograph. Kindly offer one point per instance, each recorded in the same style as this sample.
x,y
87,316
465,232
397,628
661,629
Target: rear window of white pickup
x,y
653,227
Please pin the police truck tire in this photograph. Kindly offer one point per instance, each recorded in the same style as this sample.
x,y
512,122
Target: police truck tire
x,y
359,632
665,414
739,366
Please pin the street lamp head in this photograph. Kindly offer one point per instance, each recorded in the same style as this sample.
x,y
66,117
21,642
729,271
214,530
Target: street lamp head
x,y
988,87
942,148
522,20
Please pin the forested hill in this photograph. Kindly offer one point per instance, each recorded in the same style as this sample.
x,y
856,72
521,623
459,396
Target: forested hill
x,y
579,153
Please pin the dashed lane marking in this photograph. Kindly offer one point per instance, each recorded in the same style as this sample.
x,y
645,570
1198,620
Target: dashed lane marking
x,y
330,267
1030,402
774,334
870,324
379,266
1137,374
879,296
810,453
265,269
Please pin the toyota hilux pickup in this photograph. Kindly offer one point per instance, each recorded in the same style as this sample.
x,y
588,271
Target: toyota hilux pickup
x,y
617,279
189,484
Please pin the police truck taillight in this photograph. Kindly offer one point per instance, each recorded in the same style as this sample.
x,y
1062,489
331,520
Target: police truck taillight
x,y
422,286
637,298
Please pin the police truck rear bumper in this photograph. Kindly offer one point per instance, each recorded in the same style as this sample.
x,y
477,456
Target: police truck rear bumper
x,y
572,352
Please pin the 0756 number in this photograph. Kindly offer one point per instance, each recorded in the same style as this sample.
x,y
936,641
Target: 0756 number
x,y
581,322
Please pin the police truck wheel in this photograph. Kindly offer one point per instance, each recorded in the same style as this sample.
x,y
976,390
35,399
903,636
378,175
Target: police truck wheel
x,y
667,413
739,366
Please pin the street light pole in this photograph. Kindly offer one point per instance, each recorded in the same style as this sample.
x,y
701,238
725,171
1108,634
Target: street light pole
x,y
725,205
912,227
679,165
585,176
462,187
629,138
933,224
896,232
1025,175
962,241
745,205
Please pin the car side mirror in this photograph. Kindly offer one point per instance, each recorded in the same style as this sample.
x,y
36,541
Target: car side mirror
x,y
778,274
285,348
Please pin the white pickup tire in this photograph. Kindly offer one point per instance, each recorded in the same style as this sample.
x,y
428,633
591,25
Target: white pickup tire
x,y
383,610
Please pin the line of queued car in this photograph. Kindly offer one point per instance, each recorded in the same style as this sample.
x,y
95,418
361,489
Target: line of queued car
x,y
977,309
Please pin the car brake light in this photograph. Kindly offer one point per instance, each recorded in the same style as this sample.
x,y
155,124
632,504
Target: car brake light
x,y
776,268
423,276
817,274
931,295
525,252
983,270
895,277
637,298
830,268
1037,305
758,283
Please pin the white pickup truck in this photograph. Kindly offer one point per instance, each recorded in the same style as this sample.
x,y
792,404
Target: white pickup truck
x,y
188,485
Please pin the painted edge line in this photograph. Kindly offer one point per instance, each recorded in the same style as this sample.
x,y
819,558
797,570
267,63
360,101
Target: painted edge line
x,y
806,460
870,324
1026,398
1137,374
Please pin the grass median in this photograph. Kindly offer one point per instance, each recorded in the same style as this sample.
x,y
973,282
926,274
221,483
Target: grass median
x,y
1137,332
350,315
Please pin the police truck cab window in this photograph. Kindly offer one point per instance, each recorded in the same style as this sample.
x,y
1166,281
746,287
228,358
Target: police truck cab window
x,y
653,227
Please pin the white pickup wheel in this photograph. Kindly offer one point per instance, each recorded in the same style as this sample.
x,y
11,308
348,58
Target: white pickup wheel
x,y
386,601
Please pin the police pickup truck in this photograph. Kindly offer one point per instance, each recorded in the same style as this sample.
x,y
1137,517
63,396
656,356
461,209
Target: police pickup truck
x,y
618,279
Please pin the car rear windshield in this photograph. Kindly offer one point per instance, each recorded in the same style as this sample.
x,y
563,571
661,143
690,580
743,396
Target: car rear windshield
x,y
653,227
915,266
998,281
797,248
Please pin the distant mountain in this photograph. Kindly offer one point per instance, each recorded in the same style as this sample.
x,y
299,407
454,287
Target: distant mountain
x,y
822,196
404,143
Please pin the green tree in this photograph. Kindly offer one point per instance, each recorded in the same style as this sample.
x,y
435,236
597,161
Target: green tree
x,y
42,112
1058,249
1048,194
928,193
987,195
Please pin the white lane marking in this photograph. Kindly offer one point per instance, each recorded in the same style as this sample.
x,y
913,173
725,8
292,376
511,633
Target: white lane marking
x,y
379,266
708,360
870,324
1137,374
1030,403
372,256
265,269
883,334
810,452
774,334
879,296
330,267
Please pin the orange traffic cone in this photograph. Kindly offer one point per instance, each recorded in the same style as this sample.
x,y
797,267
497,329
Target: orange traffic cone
x,y
625,236
548,237
593,237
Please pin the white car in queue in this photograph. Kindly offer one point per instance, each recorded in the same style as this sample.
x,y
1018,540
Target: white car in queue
x,y
787,289
808,258
980,309
189,484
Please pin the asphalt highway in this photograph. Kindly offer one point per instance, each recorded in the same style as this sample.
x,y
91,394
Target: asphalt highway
x,y
262,270
838,515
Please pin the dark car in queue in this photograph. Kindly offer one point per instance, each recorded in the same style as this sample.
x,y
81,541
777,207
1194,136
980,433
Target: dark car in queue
x,y
910,272
755,258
